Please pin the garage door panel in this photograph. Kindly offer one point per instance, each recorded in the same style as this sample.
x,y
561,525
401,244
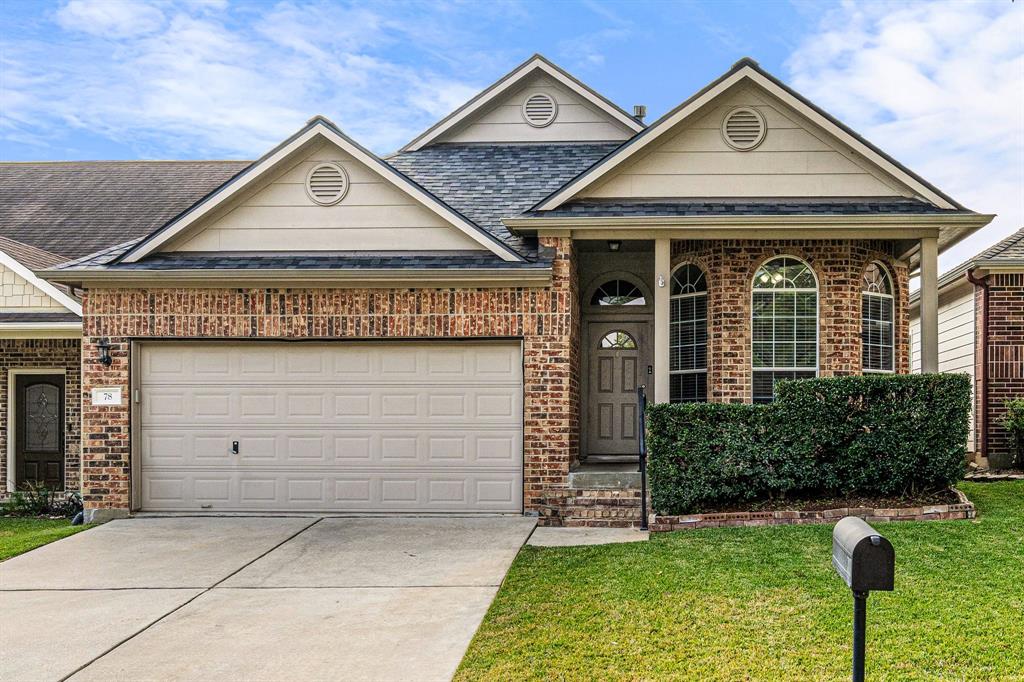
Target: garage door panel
x,y
464,491
298,447
181,363
200,405
322,427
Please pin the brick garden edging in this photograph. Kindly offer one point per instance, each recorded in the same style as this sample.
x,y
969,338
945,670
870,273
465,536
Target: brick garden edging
x,y
945,512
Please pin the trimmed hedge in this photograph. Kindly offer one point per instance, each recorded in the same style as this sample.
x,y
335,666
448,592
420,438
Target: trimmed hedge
x,y
878,435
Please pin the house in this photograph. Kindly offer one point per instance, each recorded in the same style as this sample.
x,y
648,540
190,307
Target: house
x,y
462,326
981,333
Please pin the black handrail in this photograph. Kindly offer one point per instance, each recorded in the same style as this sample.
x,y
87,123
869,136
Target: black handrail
x,y
641,398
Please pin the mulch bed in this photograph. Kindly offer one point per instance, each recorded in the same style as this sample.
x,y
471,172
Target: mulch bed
x,y
821,504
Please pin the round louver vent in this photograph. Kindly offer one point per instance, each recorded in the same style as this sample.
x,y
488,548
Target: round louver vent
x,y
743,128
539,110
327,183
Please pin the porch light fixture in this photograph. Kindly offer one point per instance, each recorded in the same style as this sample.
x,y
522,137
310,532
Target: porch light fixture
x,y
614,245
104,348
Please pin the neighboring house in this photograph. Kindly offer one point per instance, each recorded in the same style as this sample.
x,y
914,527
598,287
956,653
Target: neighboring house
x,y
981,333
462,326
40,367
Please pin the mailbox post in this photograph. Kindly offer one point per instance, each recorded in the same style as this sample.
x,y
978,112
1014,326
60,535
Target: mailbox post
x,y
865,561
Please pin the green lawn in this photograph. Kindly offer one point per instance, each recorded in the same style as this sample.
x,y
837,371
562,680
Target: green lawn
x,y
19,535
765,604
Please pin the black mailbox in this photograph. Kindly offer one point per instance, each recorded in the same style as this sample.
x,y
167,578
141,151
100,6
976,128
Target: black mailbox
x,y
864,559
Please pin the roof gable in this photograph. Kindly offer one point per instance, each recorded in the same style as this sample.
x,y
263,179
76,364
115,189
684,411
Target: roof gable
x,y
683,154
495,115
20,288
249,212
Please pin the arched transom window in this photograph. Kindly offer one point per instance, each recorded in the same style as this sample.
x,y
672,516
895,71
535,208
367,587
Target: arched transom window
x,y
785,324
876,330
618,292
688,335
618,340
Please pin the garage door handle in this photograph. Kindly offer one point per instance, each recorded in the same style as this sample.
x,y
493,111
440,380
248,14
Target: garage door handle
x,y
234,447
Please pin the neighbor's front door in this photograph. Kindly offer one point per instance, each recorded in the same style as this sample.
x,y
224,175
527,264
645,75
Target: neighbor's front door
x,y
617,365
39,430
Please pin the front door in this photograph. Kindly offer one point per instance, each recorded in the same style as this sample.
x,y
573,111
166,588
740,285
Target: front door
x,y
617,365
39,430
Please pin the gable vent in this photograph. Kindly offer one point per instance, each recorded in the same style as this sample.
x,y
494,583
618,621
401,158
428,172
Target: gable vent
x,y
743,128
539,110
327,183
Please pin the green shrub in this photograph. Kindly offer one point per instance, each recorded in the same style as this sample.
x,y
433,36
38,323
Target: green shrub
x,y
1013,421
36,499
883,435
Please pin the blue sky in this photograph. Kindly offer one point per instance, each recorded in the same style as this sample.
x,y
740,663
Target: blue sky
x,y
939,85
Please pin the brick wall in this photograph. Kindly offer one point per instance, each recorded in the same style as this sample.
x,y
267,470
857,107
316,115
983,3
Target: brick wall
x,y
1005,355
543,318
45,353
839,265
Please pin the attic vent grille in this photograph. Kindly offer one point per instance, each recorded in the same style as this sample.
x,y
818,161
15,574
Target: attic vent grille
x,y
327,184
539,110
743,128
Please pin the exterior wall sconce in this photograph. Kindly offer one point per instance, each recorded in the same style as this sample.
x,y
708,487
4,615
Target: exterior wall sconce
x,y
614,245
104,348
661,281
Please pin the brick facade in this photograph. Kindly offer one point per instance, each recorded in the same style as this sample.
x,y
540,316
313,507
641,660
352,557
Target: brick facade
x,y
59,354
839,265
546,319
1005,355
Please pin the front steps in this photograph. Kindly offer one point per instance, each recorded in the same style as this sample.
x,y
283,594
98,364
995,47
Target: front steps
x,y
599,495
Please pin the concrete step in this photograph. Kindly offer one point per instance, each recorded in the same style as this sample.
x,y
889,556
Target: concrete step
x,y
586,477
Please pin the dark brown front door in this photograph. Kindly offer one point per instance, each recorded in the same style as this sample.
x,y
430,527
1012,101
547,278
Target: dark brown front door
x,y
39,430
617,365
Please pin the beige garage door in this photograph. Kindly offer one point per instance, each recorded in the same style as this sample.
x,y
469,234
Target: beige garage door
x,y
392,427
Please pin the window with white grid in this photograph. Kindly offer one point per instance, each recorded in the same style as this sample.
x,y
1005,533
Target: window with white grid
x,y
784,324
688,335
876,330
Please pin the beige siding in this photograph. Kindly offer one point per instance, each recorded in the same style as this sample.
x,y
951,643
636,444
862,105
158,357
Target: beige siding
x,y
278,216
577,119
17,294
956,336
796,159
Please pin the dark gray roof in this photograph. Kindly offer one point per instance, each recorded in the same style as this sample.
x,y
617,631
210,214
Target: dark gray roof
x,y
39,317
486,182
78,207
351,260
832,206
29,256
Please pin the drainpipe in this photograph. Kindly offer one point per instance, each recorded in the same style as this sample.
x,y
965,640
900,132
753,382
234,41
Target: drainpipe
x,y
983,388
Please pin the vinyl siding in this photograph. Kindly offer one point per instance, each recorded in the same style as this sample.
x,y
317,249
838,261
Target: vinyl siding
x,y
795,159
577,119
956,337
373,216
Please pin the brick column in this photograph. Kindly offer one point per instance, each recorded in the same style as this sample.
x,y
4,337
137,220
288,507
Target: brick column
x,y
106,438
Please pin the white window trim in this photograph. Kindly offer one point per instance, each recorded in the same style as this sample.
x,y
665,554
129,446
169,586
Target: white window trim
x,y
817,320
676,297
12,375
892,302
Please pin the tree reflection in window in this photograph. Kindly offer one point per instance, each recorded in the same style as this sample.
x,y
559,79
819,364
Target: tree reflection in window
x,y
618,292
618,340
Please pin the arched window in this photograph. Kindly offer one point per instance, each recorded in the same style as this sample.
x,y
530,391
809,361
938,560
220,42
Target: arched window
x,y
876,320
618,340
785,324
688,336
618,292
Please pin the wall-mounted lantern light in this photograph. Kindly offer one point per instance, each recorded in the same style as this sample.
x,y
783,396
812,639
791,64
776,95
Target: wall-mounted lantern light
x,y
104,348
614,245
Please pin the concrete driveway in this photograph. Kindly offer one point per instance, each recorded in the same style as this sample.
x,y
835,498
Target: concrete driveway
x,y
254,598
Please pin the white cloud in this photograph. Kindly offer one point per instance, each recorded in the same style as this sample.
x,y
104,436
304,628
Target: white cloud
x,y
113,18
940,87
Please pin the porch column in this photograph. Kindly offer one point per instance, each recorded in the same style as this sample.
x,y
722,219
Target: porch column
x,y
929,305
662,271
